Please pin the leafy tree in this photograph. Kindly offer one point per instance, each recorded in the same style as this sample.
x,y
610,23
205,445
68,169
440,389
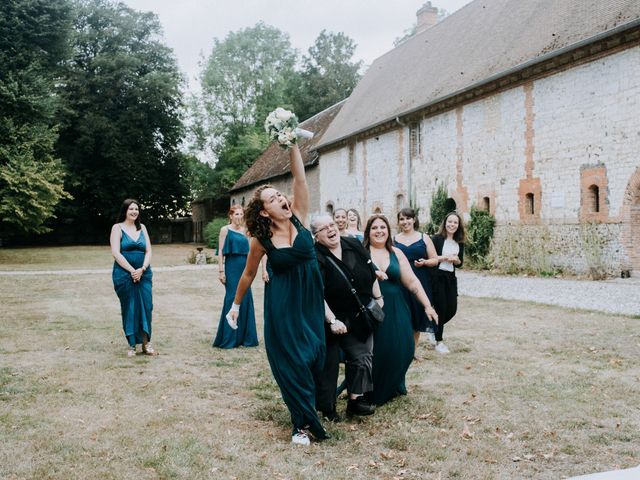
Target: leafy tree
x,y
243,79
328,76
122,123
33,45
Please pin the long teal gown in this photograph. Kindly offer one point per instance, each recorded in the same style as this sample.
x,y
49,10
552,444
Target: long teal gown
x,y
417,250
393,341
294,326
136,301
235,250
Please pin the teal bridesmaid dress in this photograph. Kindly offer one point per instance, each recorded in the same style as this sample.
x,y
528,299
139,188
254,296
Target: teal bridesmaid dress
x,y
294,326
136,301
235,250
393,345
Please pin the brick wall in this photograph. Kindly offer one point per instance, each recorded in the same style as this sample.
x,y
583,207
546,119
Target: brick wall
x,y
533,150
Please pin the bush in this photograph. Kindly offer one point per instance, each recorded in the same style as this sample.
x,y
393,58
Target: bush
x,y
211,232
440,206
479,235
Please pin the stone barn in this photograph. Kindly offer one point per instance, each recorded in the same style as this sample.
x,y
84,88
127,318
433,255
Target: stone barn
x,y
528,109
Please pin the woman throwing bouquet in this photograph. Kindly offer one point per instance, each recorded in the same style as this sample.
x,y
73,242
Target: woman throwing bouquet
x,y
294,298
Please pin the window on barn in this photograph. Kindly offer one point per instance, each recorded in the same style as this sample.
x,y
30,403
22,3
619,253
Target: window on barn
x,y
329,208
377,210
486,204
450,204
594,198
415,144
529,204
352,158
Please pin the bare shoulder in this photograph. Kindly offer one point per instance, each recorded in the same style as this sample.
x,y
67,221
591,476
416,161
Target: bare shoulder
x,y
143,227
397,251
116,228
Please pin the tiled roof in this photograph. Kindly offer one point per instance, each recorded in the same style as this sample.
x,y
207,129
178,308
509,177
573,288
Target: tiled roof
x,y
274,162
482,40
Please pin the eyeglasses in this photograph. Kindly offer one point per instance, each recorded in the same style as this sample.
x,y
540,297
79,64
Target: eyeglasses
x,y
327,226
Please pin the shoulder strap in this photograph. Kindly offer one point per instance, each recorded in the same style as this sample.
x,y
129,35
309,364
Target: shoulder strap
x,y
353,290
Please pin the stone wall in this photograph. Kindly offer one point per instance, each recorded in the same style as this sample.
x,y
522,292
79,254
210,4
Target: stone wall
x,y
536,153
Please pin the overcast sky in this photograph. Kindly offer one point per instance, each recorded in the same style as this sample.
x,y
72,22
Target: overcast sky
x,y
191,25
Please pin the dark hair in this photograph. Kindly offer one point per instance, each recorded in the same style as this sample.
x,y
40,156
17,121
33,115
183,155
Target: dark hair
x,y
359,224
122,216
409,212
388,245
459,236
257,225
233,208
338,209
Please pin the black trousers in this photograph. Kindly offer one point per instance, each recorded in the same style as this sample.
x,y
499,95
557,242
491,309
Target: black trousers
x,y
358,368
445,298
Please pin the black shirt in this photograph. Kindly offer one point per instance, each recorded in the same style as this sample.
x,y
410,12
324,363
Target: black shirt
x,y
356,265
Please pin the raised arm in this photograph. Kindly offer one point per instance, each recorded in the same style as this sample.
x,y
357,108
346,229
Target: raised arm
x,y
300,204
411,283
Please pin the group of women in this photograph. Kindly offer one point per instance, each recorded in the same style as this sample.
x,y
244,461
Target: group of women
x,y
317,284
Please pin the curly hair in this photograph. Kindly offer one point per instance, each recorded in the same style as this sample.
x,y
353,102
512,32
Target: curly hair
x,y
257,225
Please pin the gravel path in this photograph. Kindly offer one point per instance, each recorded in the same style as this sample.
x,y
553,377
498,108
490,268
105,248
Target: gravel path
x,y
620,296
612,296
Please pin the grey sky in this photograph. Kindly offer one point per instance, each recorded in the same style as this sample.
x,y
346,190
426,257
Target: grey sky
x,y
191,25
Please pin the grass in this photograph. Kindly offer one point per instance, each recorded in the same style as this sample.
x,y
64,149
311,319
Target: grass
x,y
86,257
529,391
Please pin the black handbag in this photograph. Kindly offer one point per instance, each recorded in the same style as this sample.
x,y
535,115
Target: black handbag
x,y
372,314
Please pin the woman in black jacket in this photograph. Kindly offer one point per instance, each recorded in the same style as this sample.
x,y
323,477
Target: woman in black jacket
x,y
343,326
449,243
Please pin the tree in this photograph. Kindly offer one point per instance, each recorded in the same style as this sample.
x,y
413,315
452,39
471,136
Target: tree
x,y
243,79
33,45
122,123
329,74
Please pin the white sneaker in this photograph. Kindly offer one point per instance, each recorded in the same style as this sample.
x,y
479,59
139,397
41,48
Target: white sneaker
x,y
300,438
442,348
431,339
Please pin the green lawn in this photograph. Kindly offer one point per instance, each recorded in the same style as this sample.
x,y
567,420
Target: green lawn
x,y
528,391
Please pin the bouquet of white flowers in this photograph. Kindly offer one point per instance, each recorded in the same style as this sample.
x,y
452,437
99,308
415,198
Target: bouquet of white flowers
x,y
282,126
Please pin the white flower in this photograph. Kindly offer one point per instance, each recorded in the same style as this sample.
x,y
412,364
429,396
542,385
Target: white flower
x,y
282,114
283,138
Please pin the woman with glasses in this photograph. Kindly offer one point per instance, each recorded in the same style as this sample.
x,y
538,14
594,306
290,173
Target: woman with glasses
x,y
344,329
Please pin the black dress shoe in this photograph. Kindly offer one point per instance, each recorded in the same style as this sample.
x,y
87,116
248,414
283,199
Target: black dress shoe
x,y
331,416
360,406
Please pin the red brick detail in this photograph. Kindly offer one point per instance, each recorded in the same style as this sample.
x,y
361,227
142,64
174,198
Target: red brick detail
x,y
529,132
630,215
594,176
486,191
461,195
529,186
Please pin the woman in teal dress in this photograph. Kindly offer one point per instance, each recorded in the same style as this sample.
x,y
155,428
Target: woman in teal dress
x,y
233,248
132,276
421,254
393,345
293,298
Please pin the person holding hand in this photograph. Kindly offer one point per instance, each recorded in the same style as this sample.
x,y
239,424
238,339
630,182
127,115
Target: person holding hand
x,y
132,276
449,245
